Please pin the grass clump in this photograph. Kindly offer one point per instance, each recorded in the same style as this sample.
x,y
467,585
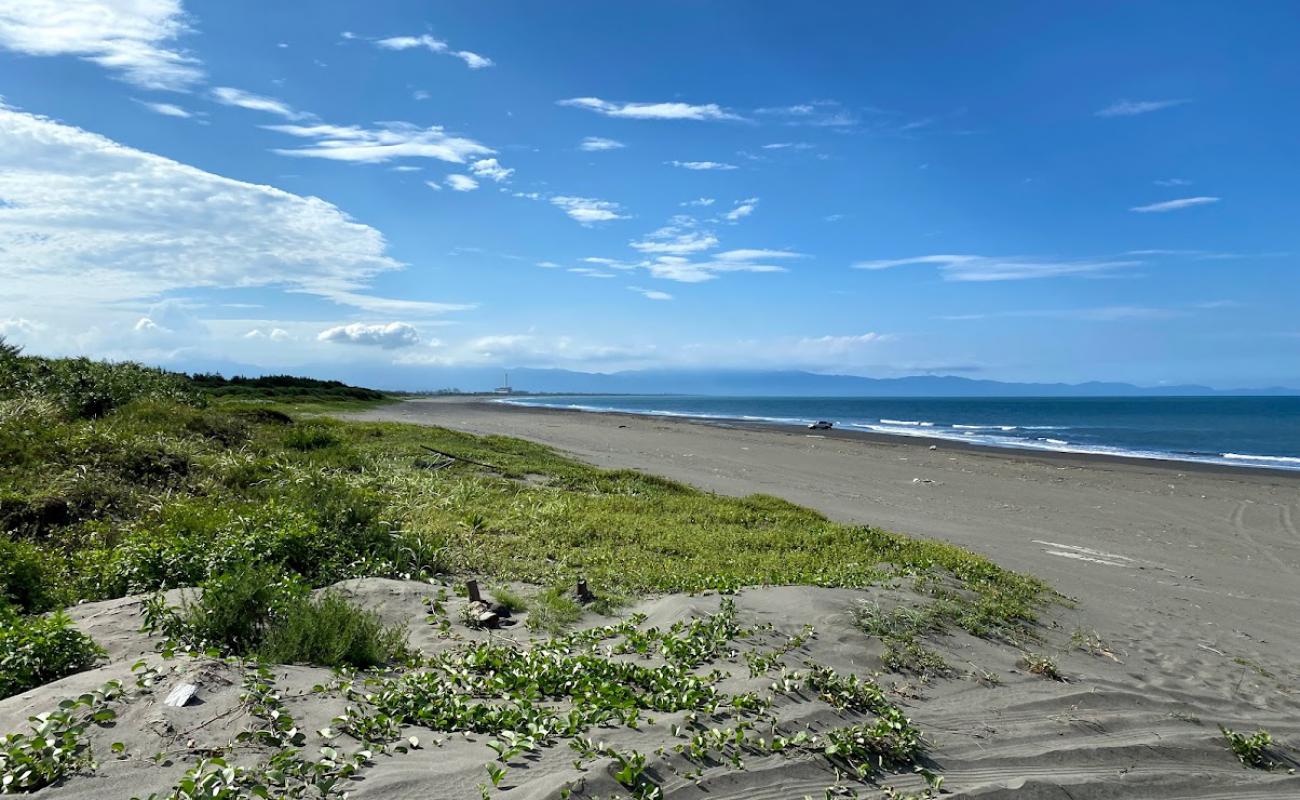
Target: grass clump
x,y
262,613
901,630
36,650
553,610
1251,749
510,600
1042,666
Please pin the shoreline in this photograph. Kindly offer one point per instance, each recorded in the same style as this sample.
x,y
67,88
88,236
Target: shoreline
x,y
1074,458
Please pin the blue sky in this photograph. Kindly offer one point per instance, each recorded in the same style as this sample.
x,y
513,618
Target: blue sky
x,y
1008,191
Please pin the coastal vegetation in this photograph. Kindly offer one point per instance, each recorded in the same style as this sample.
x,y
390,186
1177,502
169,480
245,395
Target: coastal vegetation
x,y
116,480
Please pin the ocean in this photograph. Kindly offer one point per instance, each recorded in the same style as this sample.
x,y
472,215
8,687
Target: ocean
x,y
1238,431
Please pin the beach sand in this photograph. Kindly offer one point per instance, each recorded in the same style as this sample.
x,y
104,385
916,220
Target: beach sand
x,y
1189,578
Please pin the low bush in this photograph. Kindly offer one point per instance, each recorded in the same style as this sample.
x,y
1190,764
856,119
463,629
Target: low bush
x,y
27,577
329,631
258,611
39,649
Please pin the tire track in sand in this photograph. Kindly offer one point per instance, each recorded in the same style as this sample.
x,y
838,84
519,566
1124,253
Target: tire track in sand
x,y
1238,521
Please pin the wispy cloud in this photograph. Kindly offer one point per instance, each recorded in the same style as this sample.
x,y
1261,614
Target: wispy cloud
x,y
702,165
1132,108
1172,182
1099,314
708,111
230,96
596,144
700,202
970,268
134,40
651,294
472,60
788,146
77,211
743,209
686,270
462,183
166,109
588,210
389,141
589,272
1174,205
818,113
676,239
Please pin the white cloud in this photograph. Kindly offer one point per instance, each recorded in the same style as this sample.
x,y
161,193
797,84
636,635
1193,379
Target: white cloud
x,y
700,202
1132,108
274,334
684,270
90,227
528,349
588,210
677,239
743,209
489,168
462,183
596,144
788,146
437,187
166,109
840,345
471,59
1173,182
133,38
651,294
588,272
1173,205
971,268
389,141
388,336
701,165
230,96
818,114
756,255
709,111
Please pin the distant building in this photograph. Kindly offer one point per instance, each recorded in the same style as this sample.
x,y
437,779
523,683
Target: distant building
x,y
505,389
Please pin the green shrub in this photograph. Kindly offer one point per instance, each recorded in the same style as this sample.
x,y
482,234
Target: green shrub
x,y
309,437
235,609
553,610
37,650
260,612
510,600
329,631
27,577
87,389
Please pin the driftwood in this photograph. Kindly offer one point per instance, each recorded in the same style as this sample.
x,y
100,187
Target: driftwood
x,y
451,459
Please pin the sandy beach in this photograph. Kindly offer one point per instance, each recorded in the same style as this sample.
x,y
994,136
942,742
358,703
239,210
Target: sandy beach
x,y
1209,555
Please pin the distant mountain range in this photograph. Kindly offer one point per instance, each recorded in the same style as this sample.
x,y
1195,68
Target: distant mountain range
x,y
772,383
795,383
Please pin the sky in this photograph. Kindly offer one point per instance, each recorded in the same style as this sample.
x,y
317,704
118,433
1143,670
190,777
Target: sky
x,y
395,190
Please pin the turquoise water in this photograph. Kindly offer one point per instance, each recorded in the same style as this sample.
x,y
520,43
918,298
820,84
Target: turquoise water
x,y
1241,431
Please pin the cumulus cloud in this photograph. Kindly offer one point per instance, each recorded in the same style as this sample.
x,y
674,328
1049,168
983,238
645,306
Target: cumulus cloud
x,y
971,268
230,96
389,336
596,144
587,210
708,111
273,334
427,42
1132,108
87,223
384,143
134,39
489,168
1174,205
528,349
462,183
702,165
743,209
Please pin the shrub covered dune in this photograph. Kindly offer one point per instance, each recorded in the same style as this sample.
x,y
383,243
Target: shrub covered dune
x,y
117,479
